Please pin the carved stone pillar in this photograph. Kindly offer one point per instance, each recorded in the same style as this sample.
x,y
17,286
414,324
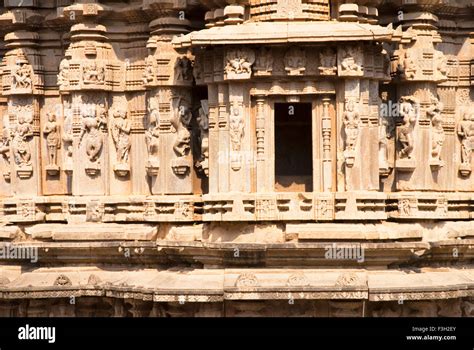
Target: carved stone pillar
x,y
224,141
326,130
214,151
262,182
168,77
23,84
421,135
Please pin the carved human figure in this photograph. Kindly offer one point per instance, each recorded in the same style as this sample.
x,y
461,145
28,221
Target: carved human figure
x,y
5,145
51,131
92,74
21,148
383,146
465,131
22,76
152,135
264,61
351,125
67,136
91,124
5,151
203,121
405,135
409,65
181,123
327,59
438,135
149,73
295,61
63,75
120,130
184,68
236,129
441,63
349,61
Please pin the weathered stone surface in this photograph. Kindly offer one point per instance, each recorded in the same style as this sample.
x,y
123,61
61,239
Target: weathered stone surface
x,y
238,154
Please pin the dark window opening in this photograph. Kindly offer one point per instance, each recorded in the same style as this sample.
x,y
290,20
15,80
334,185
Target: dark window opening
x,y
293,147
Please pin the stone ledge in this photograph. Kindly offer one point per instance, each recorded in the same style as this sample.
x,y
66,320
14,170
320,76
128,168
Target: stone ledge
x,y
239,284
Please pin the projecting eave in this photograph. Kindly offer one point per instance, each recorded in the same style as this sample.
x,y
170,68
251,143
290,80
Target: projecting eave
x,y
283,33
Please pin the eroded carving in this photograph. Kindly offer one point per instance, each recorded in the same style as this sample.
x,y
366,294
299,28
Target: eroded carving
x,y
183,69
465,131
120,129
437,133
236,131
21,143
152,139
351,128
53,143
327,60
409,112
351,58
239,63
295,61
181,121
203,120
94,118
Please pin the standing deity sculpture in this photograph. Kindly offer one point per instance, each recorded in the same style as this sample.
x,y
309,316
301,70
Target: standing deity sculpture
x,y
63,75
93,119
203,122
236,130
53,143
22,135
409,66
5,151
67,137
437,133
182,145
351,120
384,135
465,131
152,139
120,131
149,72
405,136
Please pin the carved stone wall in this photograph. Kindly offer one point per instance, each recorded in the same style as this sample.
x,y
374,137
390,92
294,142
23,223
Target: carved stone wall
x,y
143,133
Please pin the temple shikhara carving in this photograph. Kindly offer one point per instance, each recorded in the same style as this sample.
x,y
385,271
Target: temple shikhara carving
x,y
237,158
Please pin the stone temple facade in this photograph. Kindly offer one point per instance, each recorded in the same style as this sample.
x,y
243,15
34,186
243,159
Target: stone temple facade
x,y
237,158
